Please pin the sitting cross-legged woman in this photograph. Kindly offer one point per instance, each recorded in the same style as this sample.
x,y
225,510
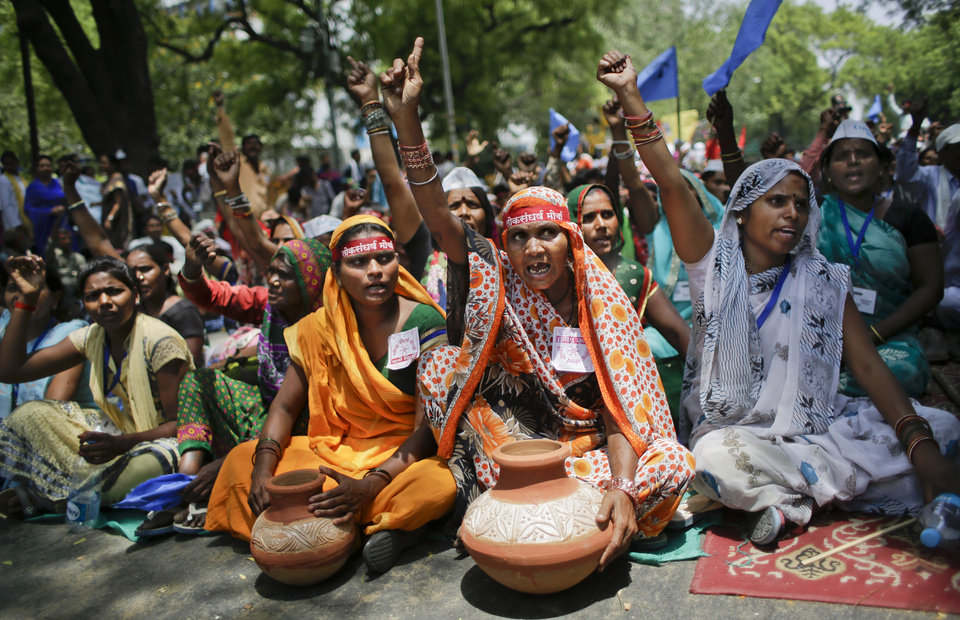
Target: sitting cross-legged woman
x,y
364,434
772,322
502,385
136,363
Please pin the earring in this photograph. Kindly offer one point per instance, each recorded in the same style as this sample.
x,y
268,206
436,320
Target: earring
x,y
739,221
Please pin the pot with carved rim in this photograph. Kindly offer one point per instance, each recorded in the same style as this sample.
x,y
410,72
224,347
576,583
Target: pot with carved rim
x,y
292,545
535,531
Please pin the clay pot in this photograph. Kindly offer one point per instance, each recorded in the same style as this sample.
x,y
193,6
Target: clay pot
x,y
292,545
536,530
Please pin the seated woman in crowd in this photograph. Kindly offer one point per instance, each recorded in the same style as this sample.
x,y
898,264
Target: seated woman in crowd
x,y
504,309
49,324
892,250
773,320
158,297
133,358
363,431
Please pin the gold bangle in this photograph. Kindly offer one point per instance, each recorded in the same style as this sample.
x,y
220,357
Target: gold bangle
x,y
222,192
877,334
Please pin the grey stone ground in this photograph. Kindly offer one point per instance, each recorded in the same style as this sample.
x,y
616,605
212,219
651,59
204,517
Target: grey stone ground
x,y
46,571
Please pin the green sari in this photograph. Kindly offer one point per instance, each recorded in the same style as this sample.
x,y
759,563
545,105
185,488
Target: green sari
x,y
882,267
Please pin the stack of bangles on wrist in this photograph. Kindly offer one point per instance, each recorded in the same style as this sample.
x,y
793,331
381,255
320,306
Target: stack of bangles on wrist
x,y
166,211
912,430
380,473
643,128
627,154
418,158
239,205
267,445
627,486
729,158
374,118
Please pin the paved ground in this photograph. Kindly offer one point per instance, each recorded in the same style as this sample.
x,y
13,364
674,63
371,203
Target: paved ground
x,y
46,571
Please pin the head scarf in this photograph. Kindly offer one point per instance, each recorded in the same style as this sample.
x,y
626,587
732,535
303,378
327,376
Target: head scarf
x,y
575,205
726,353
294,226
310,260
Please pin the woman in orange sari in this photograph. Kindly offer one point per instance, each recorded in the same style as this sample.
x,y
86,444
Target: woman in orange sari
x,y
378,454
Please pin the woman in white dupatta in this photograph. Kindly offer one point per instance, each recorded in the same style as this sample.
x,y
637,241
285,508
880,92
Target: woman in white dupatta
x,y
772,321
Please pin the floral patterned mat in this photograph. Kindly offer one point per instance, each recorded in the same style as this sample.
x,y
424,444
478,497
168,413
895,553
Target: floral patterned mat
x,y
893,570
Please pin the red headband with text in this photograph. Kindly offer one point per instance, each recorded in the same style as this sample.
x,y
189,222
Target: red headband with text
x,y
535,204
362,246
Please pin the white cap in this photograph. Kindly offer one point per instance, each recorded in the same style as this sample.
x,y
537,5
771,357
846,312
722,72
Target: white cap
x,y
853,129
462,178
714,165
950,135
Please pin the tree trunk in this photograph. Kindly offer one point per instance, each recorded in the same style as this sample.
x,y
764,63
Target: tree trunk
x,y
108,89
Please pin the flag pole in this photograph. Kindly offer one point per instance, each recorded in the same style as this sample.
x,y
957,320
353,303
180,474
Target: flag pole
x,y
679,135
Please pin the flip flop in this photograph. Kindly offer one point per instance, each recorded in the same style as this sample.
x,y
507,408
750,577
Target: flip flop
x,y
158,523
193,510
16,503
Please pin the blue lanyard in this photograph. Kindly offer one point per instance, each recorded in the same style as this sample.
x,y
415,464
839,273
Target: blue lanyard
x,y
106,365
855,247
15,391
772,302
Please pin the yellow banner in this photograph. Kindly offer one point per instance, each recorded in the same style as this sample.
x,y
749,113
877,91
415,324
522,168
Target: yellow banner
x,y
688,124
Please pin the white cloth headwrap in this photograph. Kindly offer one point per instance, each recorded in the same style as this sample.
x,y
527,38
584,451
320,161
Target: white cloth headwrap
x,y
950,135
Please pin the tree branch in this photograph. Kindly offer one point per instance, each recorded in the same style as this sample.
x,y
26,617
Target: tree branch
x,y
207,53
548,25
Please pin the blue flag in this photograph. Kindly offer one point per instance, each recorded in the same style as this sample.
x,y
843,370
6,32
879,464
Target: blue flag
x,y
660,79
753,31
569,152
875,110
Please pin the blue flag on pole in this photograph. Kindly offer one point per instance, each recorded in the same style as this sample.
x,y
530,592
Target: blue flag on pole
x,y
569,152
753,31
660,79
875,110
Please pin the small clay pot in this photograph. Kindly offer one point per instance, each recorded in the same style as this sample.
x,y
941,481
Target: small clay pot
x,y
535,531
292,545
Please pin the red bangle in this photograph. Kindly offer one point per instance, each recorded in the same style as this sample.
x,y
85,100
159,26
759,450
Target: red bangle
x,y
23,306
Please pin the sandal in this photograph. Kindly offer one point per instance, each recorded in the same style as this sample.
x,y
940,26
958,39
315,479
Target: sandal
x,y
17,503
158,522
193,510
383,548
767,526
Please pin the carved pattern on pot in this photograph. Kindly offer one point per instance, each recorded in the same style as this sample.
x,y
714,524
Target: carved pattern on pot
x,y
558,520
305,535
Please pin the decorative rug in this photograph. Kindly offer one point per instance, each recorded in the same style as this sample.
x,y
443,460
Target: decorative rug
x,y
893,570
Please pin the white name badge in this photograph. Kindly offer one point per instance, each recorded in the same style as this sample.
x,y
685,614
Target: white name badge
x,y
681,291
403,348
866,300
570,351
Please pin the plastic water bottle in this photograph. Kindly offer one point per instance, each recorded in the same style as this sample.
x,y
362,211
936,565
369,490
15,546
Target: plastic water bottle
x,y
83,502
941,522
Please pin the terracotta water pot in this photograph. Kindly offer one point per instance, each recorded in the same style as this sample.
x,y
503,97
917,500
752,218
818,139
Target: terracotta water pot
x,y
535,531
292,545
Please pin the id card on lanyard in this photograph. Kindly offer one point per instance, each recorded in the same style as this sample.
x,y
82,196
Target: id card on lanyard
x,y
106,368
775,296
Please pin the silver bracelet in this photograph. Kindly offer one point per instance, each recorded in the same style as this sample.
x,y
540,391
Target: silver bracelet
x,y
428,181
628,154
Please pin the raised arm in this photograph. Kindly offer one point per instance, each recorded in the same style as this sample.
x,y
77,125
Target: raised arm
x,y
556,176
720,114
94,236
362,86
908,159
28,273
401,85
691,230
643,208
227,169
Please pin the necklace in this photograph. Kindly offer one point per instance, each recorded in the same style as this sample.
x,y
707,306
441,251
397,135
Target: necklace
x,y
556,304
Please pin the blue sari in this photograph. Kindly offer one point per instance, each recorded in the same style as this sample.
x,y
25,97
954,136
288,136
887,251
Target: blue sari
x,y
882,267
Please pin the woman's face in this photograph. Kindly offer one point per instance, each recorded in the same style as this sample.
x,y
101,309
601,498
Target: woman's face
x,y
152,277
773,224
44,169
108,301
854,166
600,226
370,278
283,290
105,166
465,205
538,252
282,233
929,158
